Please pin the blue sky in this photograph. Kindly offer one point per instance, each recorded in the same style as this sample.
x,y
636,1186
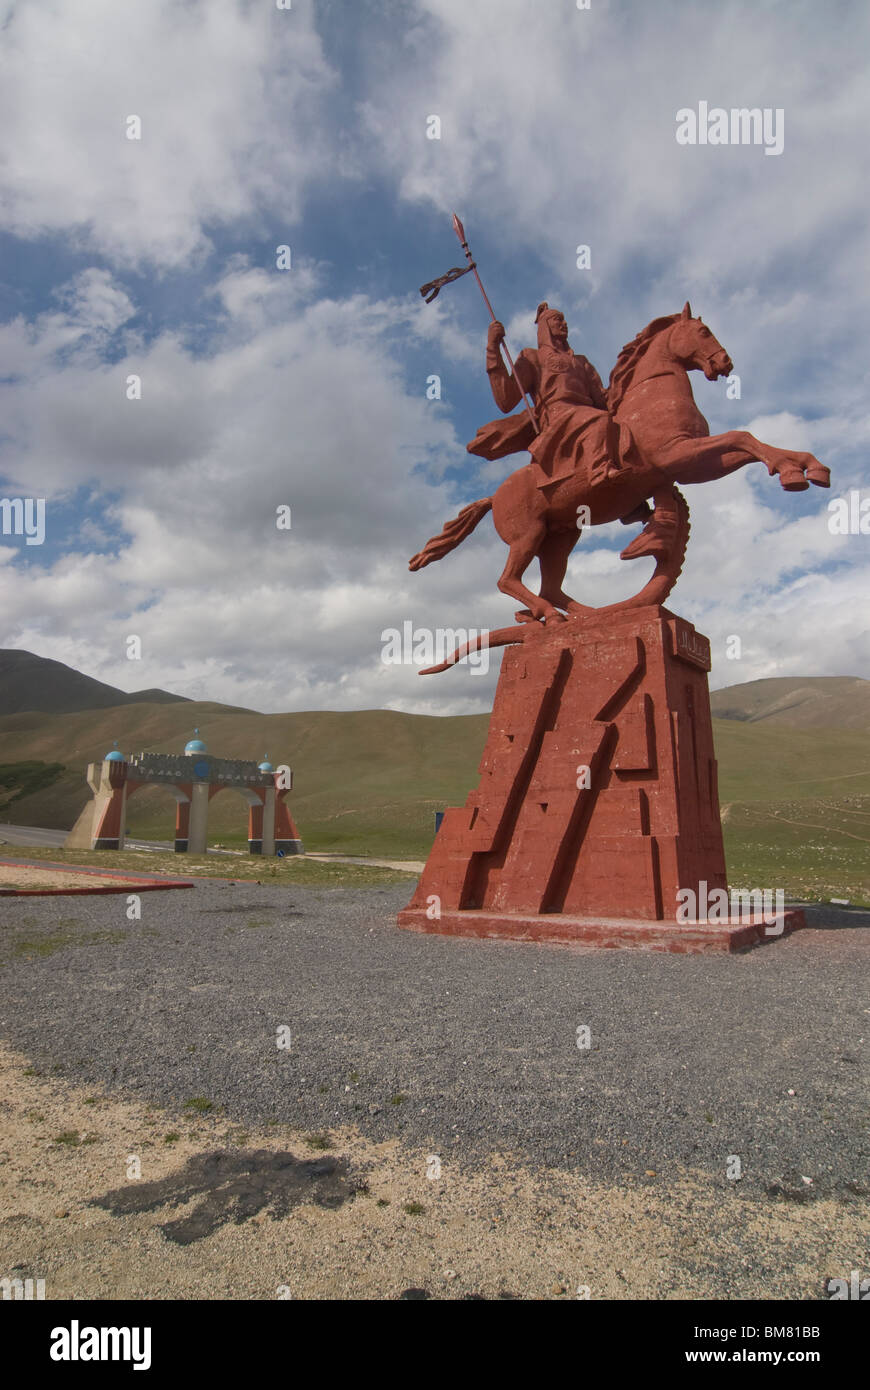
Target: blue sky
x,y
307,387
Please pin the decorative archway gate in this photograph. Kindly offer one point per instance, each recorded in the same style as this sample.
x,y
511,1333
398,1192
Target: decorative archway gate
x,y
193,781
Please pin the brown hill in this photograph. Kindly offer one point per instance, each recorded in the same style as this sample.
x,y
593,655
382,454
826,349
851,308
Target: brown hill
x,y
30,682
835,702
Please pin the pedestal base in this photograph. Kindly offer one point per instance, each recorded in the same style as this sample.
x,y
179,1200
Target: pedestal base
x,y
735,934
596,818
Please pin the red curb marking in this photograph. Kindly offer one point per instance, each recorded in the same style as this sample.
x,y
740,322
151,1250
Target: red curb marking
x,y
130,881
75,869
132,886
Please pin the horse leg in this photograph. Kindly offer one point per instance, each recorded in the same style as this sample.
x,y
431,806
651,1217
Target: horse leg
x,y
523,550
705,458
553,555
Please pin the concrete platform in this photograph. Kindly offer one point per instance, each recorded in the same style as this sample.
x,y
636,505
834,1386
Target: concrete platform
x,y
613,933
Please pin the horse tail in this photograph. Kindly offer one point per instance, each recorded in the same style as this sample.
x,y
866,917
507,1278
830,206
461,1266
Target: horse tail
x,y
502,637
452,534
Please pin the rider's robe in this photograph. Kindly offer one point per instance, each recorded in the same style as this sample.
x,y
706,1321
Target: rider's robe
x,y
570,410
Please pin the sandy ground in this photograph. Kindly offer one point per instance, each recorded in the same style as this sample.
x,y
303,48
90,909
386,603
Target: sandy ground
x,y
22,876
278,1217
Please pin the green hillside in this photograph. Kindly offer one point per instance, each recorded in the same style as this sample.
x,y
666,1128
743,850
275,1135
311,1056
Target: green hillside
x,y
796,801
365,782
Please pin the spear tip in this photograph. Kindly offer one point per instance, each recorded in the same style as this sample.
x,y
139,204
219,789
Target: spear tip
x,y
458,228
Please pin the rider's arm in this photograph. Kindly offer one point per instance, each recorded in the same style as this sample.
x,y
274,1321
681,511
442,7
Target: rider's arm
x,y
506,393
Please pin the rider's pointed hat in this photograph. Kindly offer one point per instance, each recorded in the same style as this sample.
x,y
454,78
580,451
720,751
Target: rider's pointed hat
x,y
542,319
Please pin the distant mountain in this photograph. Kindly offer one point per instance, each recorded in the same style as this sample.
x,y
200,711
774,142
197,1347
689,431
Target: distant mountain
x,y
837,702
29,682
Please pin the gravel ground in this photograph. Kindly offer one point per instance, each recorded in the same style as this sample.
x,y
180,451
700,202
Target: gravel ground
x,y
460,1048
217,1212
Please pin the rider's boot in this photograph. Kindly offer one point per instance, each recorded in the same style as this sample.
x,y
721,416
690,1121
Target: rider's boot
x,y
656,538
643,512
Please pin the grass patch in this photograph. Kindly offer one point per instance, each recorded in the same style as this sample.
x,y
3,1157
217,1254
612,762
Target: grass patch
x,y
414,1208
171,1138
200,1104
814,849
293,870
70,1137
318,1141
17,945
18,780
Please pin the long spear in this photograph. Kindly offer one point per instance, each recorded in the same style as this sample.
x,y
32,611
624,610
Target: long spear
x,y
430,291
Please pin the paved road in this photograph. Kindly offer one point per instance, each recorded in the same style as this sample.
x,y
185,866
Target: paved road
x,y
31,835
53,839
459,1046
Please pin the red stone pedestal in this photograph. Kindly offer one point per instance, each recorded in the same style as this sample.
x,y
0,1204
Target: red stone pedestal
x,y
597,800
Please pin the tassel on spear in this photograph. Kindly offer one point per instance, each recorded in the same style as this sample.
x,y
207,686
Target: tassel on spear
x,y
430,292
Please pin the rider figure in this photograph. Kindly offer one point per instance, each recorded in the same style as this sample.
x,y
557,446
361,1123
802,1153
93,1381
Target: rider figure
x,y
570,406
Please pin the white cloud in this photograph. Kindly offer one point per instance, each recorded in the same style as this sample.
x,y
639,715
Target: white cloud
x,y
230,97
304,407
557,129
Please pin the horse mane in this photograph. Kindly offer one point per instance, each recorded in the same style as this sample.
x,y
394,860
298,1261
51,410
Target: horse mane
x,y
626,362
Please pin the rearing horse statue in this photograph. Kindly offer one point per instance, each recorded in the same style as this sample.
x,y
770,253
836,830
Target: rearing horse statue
x,y
598,456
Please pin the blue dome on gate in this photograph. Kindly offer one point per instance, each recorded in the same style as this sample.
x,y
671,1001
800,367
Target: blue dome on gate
x,y
265,766
114,756
195,745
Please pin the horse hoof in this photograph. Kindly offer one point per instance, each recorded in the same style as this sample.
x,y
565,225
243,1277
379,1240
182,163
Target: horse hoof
x,y
792,478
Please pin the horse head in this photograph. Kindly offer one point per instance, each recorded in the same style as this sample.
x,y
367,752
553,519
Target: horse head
x,y
692,344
